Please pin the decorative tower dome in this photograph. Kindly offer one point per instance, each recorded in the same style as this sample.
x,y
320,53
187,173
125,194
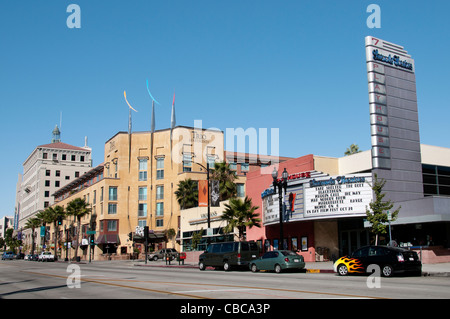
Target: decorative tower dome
x,y
56,135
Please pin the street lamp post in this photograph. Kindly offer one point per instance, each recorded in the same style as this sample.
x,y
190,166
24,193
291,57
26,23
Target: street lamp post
x,y
282,184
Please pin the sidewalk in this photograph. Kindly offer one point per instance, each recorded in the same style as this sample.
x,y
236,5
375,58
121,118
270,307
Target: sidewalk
x,y
441,269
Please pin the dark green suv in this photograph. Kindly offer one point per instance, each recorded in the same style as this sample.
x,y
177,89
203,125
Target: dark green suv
x,y
229,255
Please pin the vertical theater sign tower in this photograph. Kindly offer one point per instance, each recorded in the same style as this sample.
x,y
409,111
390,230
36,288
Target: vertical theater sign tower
x,y
394,120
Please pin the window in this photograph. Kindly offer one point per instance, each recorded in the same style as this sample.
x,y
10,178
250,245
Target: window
x,y
233,166
81,158
160,192
160,168
64,157
112,193
47,183
244,167
44,155
57,173
143,169
101,194
112,209
240,188
187,162
142,210
47,172
72,158
56,183
142,223
159,223
67,178
211,161
112,225
55,156
94,199
142,193
159,209
77,174
46,194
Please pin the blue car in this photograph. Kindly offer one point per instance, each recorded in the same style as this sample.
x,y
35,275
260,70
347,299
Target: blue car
x,y
8,255
278,261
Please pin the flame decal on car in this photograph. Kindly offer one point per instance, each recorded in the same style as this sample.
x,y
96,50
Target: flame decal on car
x,y
352,264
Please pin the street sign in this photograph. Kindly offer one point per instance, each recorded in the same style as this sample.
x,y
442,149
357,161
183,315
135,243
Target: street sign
x,y
389,215
90,232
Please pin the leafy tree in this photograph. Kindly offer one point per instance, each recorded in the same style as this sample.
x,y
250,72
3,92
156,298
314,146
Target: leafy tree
x,y
33,223
187,193
78,208
226,177
240,214
196,238
377,214
11,241
353,149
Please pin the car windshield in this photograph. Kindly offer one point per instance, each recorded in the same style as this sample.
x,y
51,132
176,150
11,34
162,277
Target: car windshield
x,y
289,253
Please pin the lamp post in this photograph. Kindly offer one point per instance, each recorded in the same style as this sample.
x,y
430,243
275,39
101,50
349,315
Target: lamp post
x,y
282,184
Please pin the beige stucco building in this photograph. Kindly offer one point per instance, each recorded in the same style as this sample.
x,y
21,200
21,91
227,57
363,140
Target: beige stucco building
x,y
135,187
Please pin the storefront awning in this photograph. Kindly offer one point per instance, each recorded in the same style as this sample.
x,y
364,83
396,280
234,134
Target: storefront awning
x,y
108,239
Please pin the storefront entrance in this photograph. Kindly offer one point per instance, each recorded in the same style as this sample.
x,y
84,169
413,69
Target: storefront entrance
x,y
352,235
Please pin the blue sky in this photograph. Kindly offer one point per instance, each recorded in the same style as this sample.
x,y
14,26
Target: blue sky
x,y
294,65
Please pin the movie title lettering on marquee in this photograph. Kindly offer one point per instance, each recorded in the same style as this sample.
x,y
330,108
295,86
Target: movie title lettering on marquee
x,y
340,195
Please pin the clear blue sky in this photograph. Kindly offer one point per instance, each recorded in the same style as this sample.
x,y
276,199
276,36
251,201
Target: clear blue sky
x,y
294,65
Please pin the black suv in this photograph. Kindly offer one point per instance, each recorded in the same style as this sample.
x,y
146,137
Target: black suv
x,y
229,254
390,260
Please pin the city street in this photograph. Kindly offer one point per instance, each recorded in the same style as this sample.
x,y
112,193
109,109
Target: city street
x,y
124,280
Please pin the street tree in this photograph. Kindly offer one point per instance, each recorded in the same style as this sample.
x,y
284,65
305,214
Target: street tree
x,y
377,212
187,193
226,177
240,214
78,208
32,223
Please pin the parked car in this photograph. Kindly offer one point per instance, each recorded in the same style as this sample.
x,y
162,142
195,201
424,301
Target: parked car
x,y
46,256
390,260
278,261
160,254
229,255
34,257
8,255
20,256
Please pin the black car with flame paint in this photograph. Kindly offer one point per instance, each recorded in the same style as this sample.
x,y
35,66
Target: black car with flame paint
x,y
390,260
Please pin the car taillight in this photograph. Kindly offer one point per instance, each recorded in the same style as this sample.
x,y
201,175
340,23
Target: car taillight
x,y
286,259
239,255
400,258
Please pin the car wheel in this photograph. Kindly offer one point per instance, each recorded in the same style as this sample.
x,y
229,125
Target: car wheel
x,y
155,258
342,270
226,266
254,268
277,268
387,271
201,266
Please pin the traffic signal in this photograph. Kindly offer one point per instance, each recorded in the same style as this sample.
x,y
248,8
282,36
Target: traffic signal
x,y
91,240
60,220
130,235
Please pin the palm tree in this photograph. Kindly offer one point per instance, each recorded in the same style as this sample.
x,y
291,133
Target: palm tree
x,y
52,214
226,177
353,149
240,214
32,223
187,193
78,208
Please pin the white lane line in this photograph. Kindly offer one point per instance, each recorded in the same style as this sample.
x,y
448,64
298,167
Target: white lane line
x,y
218,290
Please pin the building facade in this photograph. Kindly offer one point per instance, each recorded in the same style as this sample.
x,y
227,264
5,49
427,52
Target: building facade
x,y
325,206
135,187
48,168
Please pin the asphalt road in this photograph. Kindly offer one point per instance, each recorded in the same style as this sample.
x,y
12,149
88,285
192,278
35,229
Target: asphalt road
x,y
21,279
